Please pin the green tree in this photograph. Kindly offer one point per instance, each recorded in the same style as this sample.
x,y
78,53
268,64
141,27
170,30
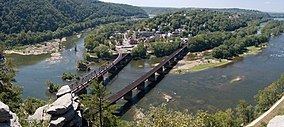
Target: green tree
x,y
97,109
139,52
102,51
245,112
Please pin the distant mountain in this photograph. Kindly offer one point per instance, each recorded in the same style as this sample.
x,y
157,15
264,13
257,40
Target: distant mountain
x,y
276,15
42,15
164,10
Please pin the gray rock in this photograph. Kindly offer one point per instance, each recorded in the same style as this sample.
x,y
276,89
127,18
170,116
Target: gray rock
x,y
75,105
5,115
61,105
76,121
62,120
8,118
57,123
40,114
277,121
63,90
14,122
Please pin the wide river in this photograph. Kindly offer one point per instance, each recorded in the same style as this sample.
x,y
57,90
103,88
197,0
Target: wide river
x,y
210,89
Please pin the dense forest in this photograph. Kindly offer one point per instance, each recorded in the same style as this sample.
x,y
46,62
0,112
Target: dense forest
x,y
31,21
165,10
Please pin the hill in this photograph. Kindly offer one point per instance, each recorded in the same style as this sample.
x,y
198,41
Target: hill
x,y
33,16
164,10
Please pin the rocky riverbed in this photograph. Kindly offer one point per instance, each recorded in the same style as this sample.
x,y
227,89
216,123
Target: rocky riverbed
x,y
38,49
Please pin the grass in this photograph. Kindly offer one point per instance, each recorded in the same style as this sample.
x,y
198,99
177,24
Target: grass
x,y
253,50
202,67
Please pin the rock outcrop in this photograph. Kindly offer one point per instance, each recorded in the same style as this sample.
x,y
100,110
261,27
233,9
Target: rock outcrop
x,y
65,111
277,121
40,114
8,118
63,90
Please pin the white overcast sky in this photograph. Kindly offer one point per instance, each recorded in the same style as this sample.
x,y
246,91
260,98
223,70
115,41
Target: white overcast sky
x,y
262,5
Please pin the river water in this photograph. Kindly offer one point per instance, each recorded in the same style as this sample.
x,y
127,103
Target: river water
x,y
211,89
33,71
216,88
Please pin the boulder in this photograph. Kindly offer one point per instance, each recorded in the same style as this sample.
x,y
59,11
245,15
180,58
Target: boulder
x,y
65,111
75,105
63,90
76,121
40,114
5,115
14,122
277,121
8,118
61,105
60,121
57,123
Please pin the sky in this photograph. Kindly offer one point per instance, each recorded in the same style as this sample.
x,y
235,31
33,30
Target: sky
x,y
262,5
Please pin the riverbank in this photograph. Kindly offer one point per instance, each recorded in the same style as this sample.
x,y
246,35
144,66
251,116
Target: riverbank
x,y
194,62
48,47
52,46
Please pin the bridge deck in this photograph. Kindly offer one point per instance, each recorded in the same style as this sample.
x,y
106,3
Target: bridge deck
x,y
77,86
143,78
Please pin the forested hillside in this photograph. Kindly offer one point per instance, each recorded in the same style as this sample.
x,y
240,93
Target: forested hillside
x,y
161,10
32,16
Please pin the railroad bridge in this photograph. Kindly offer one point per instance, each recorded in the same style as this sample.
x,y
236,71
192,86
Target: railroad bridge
x,y
150,77
79,86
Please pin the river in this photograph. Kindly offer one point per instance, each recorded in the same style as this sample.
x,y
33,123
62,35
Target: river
x,y
216,88
33,71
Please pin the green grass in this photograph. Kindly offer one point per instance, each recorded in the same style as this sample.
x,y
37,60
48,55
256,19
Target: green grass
x,y
202,67
252,50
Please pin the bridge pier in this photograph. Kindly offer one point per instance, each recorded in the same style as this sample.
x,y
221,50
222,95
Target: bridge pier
x,y
172,62
141,86
167,65
152,78
128,96
83,91
160,71
114,70
101,78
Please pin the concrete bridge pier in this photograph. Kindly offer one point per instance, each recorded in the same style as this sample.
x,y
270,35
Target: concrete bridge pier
x,y
173,62
128,96
100,78
160,71
141,86
167,65
152,78
179,56
113,70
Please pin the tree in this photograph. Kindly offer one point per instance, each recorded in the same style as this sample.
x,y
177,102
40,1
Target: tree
x,y
97,109
139,52
245,112
9,93
102,51
31,104
162,117
52,87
